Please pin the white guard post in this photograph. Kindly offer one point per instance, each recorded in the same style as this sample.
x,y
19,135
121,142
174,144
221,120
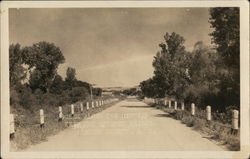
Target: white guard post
x,y
208,112
193,109
41,118
72,110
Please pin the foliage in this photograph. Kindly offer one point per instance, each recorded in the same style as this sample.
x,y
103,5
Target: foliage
x,y
170,66
202,88
17,72
78,94
204,76
34,82
226,37
97,91
148,88
57,85
42,59
70,77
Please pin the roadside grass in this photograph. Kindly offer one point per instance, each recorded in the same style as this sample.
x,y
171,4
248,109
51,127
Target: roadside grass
x,y
27,127
216,130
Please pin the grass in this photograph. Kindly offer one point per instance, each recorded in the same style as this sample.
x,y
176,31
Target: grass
x,y
218,131
29,132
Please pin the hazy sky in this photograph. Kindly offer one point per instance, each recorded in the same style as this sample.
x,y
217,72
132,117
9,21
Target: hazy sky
x,y
108,47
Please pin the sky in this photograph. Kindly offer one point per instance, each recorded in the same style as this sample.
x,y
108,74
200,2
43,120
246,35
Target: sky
x,y
108,46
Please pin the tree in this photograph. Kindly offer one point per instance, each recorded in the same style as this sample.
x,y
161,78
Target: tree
x,y
57,85
70,78
226,37
42,59
97,91
148,88
203,78
77,94
70,74
17,72
130,91
170,66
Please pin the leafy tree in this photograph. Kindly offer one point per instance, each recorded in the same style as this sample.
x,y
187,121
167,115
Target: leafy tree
x,y
77,94
226,37
130,91
57,85
36,81
70,74
70,79
148,88
97,91
79,83
203,77
170,67
43,59
17,72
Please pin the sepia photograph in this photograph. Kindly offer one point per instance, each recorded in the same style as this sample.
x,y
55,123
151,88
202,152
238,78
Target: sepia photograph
x,y
125,79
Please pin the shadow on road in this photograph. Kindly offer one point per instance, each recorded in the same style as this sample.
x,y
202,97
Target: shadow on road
x,y
132,100
137,106
163,115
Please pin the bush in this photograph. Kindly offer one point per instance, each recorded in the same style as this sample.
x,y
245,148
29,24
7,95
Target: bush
x,y
26,99
14,97
77,94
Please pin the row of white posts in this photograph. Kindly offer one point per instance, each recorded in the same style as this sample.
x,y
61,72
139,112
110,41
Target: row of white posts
x,y
93,104
235,113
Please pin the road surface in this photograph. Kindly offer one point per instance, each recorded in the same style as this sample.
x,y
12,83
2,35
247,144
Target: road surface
x,y
128,125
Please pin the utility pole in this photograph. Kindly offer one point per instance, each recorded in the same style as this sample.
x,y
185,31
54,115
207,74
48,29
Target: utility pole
x,y
91,93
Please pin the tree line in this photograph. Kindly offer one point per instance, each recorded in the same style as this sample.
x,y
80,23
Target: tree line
x,y
206,75
34,81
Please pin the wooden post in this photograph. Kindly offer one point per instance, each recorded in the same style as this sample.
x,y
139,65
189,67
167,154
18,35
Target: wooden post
x,y
72,110
100,104
92,104
81,105
96,103
192,109
208,112
60,114
182,106
12,126
169,104
175,105
235,120
41,118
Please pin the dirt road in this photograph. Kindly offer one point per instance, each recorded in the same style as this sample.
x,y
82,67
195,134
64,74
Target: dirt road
x,y
128,125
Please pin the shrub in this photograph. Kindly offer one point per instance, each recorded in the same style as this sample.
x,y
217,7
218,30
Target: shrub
x,y
26,98
77,94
